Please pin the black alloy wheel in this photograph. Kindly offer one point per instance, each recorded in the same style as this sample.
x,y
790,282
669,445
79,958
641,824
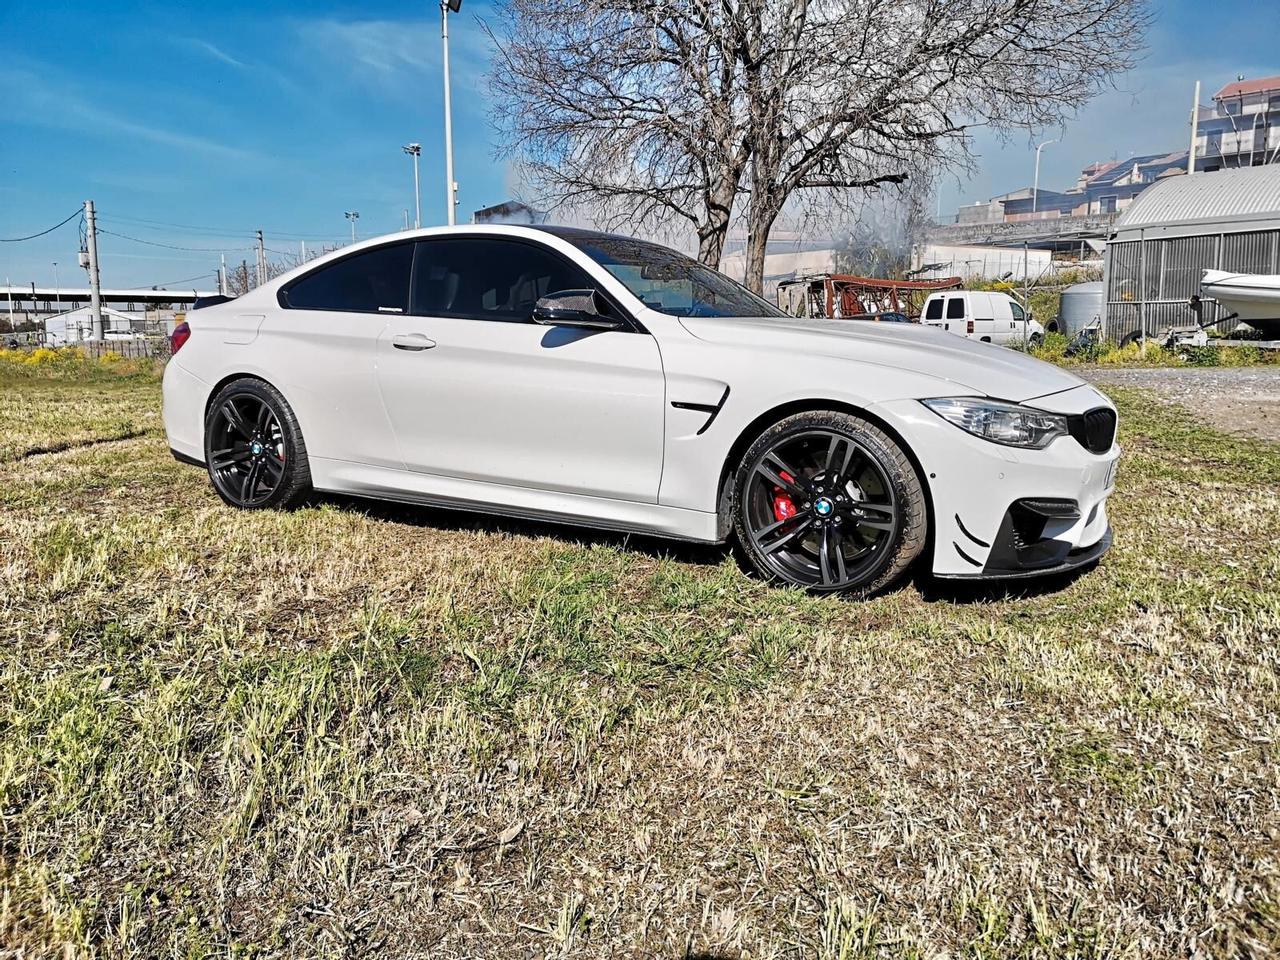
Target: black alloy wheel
x,y
253,447
828,502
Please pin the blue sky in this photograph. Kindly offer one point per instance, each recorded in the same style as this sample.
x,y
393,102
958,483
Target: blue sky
x,y
210,121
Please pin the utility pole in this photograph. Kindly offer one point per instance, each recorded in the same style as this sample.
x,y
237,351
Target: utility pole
x,y
57,287
95,279
9,286
1195,130
302,251
222,277
1035,190
451,186
262,261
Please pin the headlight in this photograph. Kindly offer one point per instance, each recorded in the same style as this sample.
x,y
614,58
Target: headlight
x,y
1000,422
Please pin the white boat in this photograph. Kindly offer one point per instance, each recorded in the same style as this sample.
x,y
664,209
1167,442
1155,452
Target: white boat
x,y
1253,297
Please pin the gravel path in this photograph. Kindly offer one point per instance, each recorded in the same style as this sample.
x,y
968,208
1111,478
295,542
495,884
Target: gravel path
x,y
1243,400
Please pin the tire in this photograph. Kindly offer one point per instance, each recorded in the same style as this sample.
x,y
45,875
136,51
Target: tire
x,y
1035,340
253,447
858,515
1129,338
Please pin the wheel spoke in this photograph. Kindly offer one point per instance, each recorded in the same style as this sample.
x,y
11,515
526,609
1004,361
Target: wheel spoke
x,y
876,516
274,467
774,473
831,557
227,458
235,421
839,457
790,536
264,419
251,480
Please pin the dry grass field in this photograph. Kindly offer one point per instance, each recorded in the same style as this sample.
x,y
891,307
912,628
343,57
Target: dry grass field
x,y
360,730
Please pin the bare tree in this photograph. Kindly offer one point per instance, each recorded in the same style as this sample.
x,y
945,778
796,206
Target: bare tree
x,y
657,110
857,94
243,278
629,108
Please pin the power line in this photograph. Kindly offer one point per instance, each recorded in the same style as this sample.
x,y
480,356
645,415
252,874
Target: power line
x,y
227,232
42,232
170,246
174,283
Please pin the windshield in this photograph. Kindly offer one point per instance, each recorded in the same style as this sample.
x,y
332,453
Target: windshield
x,y
670,282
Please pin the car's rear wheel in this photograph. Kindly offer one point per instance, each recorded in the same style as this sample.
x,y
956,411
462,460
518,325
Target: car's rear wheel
x,y
253,447
827,501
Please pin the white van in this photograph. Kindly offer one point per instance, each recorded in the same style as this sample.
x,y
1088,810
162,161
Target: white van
x,y
980,315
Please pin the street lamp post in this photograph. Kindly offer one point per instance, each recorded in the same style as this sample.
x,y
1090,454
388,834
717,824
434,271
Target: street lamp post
x,y
450,185
415,150
1035,190
353,216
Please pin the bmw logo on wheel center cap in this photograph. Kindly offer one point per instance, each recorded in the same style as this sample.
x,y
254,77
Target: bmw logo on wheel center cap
x,y
255,448
823,507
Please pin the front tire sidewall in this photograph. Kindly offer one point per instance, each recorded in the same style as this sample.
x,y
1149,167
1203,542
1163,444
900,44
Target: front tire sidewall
x,y
296,479
909,538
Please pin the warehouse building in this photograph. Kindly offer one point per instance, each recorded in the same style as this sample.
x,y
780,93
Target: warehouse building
x,y
1180,227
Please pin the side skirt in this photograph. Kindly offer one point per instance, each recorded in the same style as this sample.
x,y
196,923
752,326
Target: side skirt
x,y
474,496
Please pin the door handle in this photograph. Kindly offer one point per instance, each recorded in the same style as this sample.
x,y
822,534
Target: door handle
x,y
412,341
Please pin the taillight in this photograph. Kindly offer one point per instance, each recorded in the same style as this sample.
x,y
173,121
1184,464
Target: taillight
x,y
181,334
968,329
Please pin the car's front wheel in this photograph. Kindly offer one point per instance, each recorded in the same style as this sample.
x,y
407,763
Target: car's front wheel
x,y
830,502
253,447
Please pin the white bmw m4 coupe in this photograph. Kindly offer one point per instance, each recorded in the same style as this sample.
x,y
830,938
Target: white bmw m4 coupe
x,y
585,378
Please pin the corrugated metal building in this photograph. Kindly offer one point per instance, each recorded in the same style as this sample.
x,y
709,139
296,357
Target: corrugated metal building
x,y
1177,229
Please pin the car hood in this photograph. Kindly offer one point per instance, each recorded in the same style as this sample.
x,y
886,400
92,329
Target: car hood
x,y
978,367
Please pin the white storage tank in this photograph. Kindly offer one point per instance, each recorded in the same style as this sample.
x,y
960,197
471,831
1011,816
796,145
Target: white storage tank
x,y
1082,306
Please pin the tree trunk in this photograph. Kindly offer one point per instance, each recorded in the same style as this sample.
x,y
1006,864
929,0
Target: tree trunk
x,y
711,236
760,218
714,229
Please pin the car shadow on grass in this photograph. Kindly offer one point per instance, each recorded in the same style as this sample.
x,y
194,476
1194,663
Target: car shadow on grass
x,y
931,589
941,590
466,521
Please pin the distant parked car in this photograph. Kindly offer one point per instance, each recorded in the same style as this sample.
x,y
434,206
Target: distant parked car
x,y
883,316
580,377
981,315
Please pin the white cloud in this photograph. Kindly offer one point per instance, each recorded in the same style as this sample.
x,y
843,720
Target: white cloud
x,y
39,99
216,52
399,55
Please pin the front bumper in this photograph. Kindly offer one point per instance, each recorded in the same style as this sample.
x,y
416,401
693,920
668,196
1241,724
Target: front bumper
x,y
1004,512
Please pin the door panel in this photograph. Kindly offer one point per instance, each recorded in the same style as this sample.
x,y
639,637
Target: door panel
x,y
518,403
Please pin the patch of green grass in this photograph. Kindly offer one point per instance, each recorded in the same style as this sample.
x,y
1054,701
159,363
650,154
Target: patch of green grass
x,y
1053,348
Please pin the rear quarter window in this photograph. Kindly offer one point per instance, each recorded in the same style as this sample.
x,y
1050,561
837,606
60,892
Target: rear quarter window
x,y
372,281
933,309
955,308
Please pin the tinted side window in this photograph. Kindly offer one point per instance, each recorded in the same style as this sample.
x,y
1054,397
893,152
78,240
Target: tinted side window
x,y
376,281
933,311
955,308
489,278
1017,312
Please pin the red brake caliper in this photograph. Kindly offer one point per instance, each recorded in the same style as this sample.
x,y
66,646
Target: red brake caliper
x,y
783,505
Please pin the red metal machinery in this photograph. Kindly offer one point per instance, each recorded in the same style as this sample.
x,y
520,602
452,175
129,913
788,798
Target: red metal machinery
x,y
844,295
